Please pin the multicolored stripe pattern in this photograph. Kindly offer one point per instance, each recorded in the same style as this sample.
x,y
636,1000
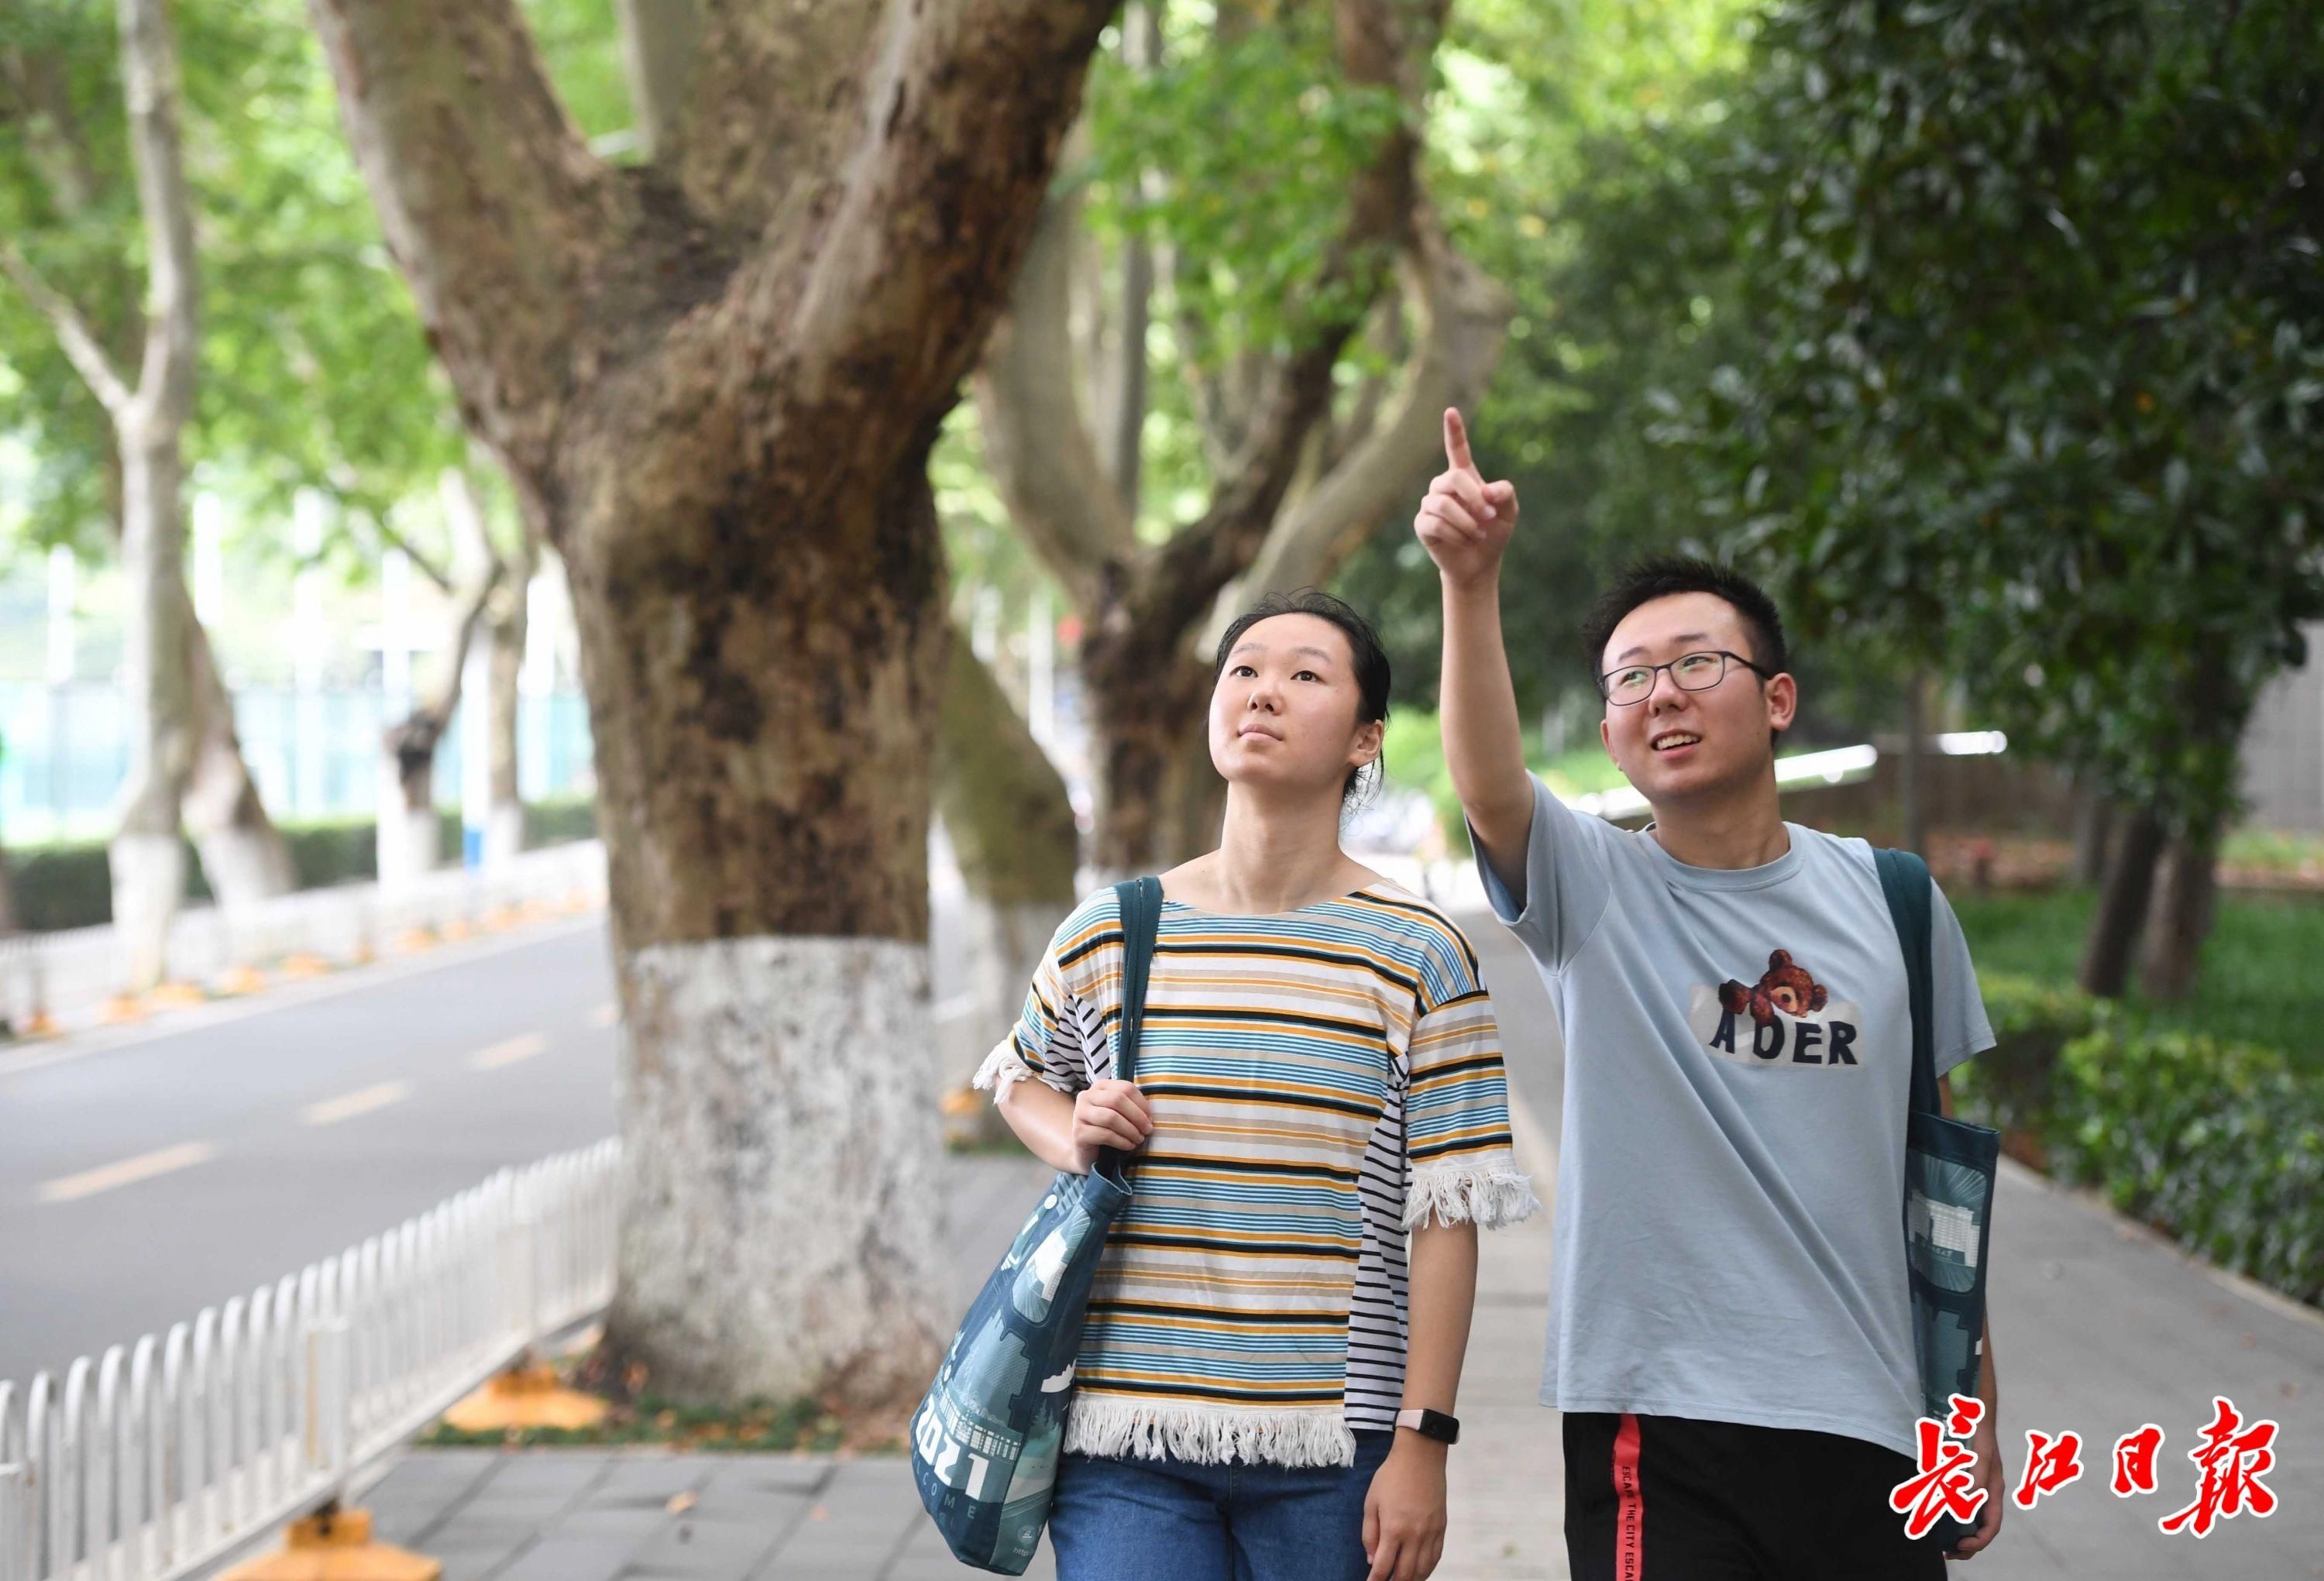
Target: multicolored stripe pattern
x,y
1303,1068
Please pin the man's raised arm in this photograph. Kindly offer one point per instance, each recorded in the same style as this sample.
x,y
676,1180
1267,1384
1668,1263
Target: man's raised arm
x,y
1465,523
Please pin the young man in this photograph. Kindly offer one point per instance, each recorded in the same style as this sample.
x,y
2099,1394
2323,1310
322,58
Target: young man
x,y
1730,1333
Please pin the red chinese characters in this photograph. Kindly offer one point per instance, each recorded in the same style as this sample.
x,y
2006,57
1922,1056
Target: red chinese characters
x,y
2049,1466
2134,1461
1945,1482
2230,1458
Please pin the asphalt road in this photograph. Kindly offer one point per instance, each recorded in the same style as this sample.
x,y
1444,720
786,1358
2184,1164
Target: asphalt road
x,y
147,1173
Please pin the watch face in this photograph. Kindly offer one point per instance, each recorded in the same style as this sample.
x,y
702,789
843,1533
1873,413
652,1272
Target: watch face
x,y
1435,1424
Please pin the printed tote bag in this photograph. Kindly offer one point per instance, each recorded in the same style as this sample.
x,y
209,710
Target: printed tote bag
x,y
1948,1170
985,1439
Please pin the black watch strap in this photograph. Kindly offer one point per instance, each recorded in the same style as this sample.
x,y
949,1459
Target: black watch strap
x,y
1431,1424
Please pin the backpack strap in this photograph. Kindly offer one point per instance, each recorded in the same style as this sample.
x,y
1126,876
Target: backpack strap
x,y
1904,881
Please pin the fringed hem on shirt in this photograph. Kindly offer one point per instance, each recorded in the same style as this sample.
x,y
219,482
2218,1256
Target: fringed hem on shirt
x,y
1003,1068
1117,1428
1461,1193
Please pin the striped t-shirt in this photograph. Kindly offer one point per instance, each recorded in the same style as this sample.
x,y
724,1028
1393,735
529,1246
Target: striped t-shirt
x,y
1322,1080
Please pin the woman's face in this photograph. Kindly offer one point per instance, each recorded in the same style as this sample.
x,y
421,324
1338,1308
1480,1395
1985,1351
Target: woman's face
x,y
1283,714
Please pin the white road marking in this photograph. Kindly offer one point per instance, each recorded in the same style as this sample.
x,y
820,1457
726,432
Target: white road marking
x,y
509,1051
361,1101
605,1015
128,1171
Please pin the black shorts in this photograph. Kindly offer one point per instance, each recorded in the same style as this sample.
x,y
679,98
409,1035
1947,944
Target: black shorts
x,y
1666,1498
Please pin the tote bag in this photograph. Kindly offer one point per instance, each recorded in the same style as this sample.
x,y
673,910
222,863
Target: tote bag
x,y
1948,1172
986,1437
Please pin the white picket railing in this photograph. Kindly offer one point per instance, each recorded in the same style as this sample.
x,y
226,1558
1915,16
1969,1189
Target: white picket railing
x,y
157,1459
67,974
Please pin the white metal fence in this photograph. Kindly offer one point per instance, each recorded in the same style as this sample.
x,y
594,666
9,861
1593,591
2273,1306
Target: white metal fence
x,y
158,1460
69,973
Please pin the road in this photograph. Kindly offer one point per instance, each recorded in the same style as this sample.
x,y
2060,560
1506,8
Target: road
x,y
148,1173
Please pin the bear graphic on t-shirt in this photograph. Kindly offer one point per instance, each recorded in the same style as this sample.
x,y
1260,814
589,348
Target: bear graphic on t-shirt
x,y
1786,985
1793,1020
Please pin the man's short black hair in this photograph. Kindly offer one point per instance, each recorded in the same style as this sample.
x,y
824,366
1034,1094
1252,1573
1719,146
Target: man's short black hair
x,y
1660,576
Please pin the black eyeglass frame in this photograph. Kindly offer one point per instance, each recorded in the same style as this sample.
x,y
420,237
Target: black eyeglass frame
x,y
1606,691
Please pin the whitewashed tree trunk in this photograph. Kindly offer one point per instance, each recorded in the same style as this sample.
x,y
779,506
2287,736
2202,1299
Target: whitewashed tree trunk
x,y
146,855
791,1194
409,837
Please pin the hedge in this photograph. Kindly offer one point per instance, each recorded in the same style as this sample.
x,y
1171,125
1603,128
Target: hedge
x,y
68,884
2219,1144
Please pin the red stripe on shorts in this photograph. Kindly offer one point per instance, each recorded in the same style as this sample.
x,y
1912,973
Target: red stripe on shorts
x,y
1630,1516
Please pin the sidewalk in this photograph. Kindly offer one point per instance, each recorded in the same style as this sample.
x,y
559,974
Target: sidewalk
x,y
608,1515
2098,1328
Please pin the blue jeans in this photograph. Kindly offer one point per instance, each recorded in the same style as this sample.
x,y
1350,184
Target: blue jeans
x,y
1127,1519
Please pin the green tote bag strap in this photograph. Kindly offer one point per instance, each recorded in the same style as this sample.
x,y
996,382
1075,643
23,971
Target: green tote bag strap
x,y
1140,902
1904,881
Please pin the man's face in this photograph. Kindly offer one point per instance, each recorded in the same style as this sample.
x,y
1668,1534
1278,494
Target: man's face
x,y
1680,744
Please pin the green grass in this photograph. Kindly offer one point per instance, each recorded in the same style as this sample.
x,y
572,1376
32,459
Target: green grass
x,y
2262,978
792,1427
2274,849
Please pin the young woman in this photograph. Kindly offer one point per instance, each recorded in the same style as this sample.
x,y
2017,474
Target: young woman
x,y
1264,1389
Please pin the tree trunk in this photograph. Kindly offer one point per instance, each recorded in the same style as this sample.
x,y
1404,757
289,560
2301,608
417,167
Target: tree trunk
x,y
1911,766
2185,890
1121,397
149,418
763,795
505,622
715,385
1012,826
146,856
1149,711
408,836
2093,835
2122,907
244,854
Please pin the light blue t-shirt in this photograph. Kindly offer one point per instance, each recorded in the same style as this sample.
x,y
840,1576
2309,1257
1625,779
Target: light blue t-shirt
x,y
1738,1046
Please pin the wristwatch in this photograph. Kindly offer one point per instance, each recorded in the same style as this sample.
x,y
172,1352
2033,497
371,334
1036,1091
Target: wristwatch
x,y
1431,1424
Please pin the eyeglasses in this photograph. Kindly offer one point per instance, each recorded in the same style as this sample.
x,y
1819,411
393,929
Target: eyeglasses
x,y
1692,672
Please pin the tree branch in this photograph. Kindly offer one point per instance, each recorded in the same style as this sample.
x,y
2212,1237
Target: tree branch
x,y
966,105
1178,584
787,80
1036,443
659,43
394,537
149,78
73,333
1466,315
1122,395
494,206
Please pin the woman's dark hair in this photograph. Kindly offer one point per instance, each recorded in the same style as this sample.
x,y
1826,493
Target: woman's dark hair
x,y
1371,658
